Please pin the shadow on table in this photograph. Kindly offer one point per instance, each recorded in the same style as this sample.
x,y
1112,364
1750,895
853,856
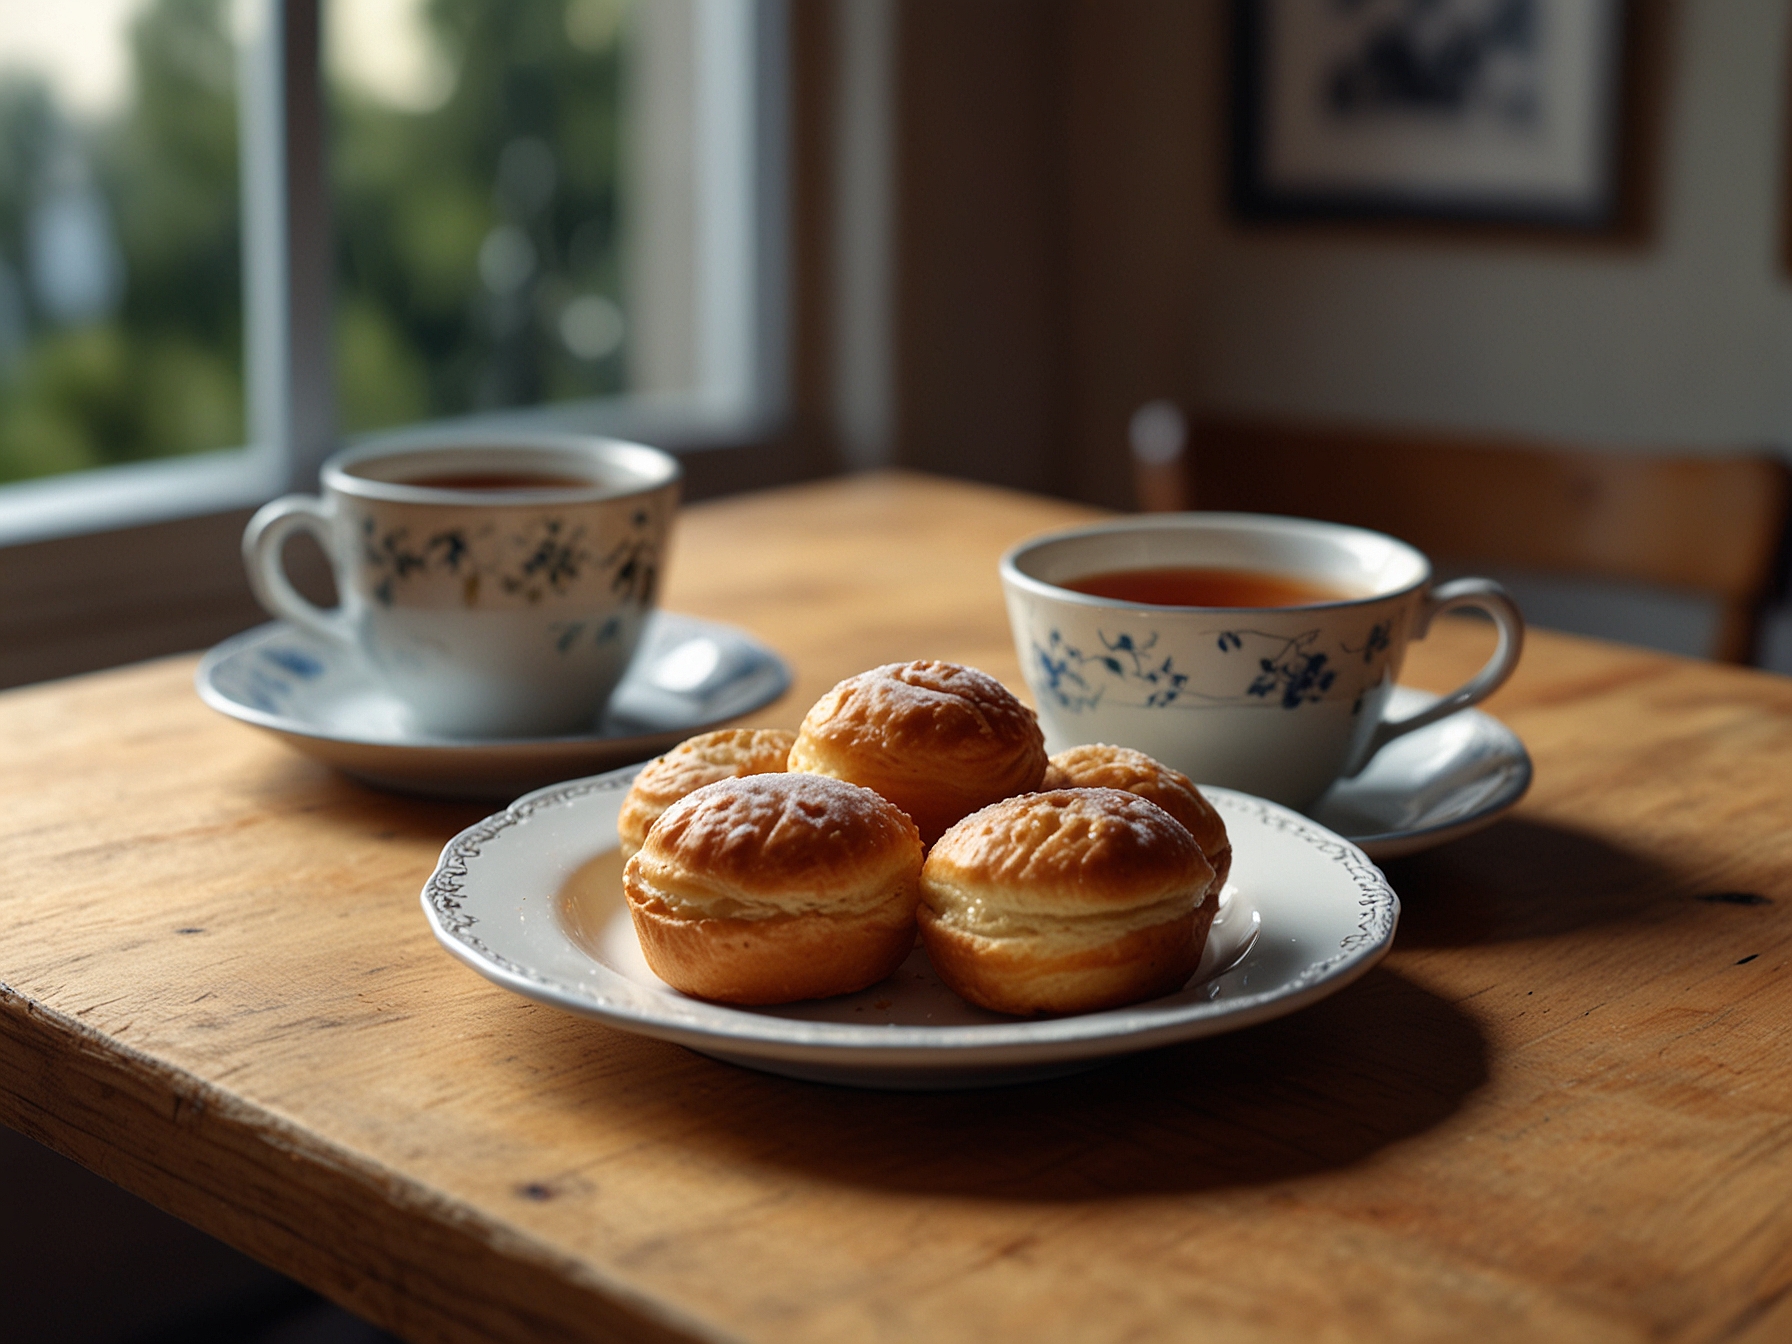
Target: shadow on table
x,y
1379,1062
294,785
1526,879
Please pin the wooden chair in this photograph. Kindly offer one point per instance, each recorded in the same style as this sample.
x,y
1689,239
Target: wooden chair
x,y
1709,525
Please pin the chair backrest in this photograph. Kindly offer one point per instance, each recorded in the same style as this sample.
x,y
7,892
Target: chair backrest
x,y
1712,525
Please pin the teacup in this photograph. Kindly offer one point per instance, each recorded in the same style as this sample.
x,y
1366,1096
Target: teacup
x,y
1279,701
498,588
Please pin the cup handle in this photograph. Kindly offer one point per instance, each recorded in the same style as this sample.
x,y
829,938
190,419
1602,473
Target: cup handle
x,y
1484,595
264,545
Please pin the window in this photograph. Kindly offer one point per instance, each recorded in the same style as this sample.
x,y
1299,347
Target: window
x,y
549,203
121,333
559,210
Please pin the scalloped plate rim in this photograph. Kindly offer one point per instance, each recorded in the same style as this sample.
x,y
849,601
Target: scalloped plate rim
x,y
747,1037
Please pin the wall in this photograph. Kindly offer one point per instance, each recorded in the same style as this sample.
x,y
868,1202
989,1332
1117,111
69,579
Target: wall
x,y
1683,341
979,245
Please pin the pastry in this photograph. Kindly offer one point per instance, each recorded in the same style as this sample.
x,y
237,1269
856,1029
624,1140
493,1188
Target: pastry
x,y
937,739
690,765
1103,767
1066,902
776,887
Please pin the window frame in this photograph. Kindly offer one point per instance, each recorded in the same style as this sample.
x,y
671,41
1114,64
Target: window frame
x,y
145,562
289,280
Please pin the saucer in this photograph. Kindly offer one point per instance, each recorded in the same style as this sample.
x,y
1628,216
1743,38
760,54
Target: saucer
x,y
532,899
1443,781
688,676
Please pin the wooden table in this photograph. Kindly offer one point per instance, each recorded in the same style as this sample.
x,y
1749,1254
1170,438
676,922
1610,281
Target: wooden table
x,y
1562,1108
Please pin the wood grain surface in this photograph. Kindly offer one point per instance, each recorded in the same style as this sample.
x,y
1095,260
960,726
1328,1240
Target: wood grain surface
x,y
1560,1109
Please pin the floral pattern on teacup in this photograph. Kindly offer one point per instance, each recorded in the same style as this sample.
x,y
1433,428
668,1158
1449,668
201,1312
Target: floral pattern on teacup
x,y
1132,669
566,634
543,558
1379,640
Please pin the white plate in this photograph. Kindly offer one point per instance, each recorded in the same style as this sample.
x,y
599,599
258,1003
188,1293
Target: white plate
x,y
531,898
1430,786
688,676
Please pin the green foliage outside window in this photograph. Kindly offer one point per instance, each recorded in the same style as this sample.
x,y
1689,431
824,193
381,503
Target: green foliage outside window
x,y
148,361
477,241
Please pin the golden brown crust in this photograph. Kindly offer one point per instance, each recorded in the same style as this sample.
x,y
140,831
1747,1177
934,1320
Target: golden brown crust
x,y
1069,853
779,960
778,844
690,765
775,887
937,739
1068,901
1011,976
1099,766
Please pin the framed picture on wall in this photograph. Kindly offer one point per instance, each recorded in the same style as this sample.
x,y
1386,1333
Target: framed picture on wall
x,y
1472,111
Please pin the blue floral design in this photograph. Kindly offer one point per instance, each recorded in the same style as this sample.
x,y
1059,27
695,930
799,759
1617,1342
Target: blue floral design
x,y
554,561
633,567
293,662
1060,665
266,692
1165,683
549,556
1130,669
1299,676
1379,641
453,547
1296,672
566,633
1130,659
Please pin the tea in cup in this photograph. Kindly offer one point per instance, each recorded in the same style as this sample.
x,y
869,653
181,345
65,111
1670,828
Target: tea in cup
x,y
1249,651
498,588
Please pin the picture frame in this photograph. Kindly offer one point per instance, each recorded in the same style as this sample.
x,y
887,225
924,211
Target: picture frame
x,y
1492,113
